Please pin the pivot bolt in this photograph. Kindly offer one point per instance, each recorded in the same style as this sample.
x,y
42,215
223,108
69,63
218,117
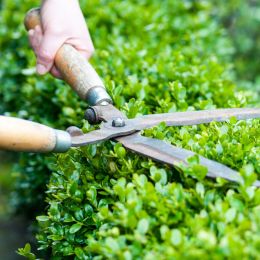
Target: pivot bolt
x,y
118,122
91,116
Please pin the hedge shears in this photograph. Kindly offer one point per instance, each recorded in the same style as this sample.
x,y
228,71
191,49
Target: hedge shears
x,y
22,135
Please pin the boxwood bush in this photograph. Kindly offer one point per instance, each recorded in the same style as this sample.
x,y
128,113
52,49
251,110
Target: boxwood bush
x,y
106,202
241,18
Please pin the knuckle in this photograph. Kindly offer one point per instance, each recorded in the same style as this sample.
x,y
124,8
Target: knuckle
x,y
44,55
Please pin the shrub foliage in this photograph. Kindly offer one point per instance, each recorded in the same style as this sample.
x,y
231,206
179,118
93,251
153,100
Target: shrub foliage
x,y
106,202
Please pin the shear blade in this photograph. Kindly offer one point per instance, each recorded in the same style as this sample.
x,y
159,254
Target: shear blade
x,y
107,131
193,117
99,135
163,152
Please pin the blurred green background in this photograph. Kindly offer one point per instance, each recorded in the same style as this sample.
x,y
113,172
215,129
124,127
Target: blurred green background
x,y
18,204
15,230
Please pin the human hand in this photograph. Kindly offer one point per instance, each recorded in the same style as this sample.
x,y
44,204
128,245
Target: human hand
x,y
62,22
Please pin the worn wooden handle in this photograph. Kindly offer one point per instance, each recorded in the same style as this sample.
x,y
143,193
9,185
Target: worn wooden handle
x,y
22,135
75,69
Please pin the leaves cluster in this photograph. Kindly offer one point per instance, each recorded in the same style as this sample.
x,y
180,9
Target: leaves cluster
x,y
241,18
106,202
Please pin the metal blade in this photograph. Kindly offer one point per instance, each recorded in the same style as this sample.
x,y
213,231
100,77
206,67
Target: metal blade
x,y
163,152
99,136
107,131
193,117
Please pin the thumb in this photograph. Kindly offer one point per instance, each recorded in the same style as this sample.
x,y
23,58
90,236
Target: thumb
x,y
47,51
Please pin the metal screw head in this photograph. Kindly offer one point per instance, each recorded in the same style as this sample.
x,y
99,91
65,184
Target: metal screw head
x,y
118,122
90,115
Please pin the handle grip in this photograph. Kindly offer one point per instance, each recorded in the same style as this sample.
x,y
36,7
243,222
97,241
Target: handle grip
x,y
74,68
26,136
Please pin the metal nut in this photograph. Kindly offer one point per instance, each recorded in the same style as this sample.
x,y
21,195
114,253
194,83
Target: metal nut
x,y
91,116
118,122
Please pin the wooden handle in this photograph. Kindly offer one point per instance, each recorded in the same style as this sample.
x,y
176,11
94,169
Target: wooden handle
x,y
22,135
75,69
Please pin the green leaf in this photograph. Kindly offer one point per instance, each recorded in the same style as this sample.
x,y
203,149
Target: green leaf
x,y
75,228
26,252
230,214
164,230
176,237
112,244
42,218
193,160
143,226
200,189
80,253
27,248
200,171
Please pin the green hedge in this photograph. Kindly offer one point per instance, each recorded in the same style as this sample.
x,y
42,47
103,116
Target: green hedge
x,y
241,18
106,202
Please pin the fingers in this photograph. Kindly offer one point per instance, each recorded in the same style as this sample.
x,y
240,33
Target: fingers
x,y
35,38
46,53
84,46
46,46
55,72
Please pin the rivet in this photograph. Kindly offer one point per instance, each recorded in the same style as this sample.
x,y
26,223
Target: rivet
x,y
118,122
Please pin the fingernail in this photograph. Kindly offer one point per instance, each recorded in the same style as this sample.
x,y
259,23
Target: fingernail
x,y
41,69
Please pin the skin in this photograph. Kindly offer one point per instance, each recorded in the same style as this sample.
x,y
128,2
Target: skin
x,y
62,22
